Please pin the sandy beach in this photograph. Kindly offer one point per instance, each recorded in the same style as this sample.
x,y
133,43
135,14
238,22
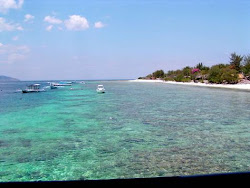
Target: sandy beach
x,y
227,86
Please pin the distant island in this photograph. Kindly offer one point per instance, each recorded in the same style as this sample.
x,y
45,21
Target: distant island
x,y
236,71
7,79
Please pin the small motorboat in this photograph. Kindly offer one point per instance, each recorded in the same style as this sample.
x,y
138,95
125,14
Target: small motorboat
x,y
63,84
33,88
100,89
53,86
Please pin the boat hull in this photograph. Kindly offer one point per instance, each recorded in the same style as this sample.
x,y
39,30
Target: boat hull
x,y
100,91
33,91
63,85
29,91
53,87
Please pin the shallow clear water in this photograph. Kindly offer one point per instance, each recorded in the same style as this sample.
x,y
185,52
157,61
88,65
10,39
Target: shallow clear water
x,y
133,130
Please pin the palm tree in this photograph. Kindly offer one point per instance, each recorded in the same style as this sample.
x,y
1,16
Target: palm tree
x,y
235,61
246,65
199,66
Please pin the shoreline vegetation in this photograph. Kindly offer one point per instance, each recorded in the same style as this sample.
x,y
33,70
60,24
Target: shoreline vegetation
x,y
234,75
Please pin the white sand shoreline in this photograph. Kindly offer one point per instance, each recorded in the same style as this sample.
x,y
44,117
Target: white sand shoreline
x,y
227,86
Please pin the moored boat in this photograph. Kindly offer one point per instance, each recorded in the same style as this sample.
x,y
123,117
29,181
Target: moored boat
x,y
100,89
33,88
53,86
63,84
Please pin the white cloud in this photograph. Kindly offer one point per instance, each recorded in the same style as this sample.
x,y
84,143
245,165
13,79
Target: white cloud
x,y
5,5
4,26
1,44
99,25
76,23
49,28
28,18
13,53
52,20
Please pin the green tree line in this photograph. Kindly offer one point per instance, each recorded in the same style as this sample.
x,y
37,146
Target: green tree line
x,y
237,68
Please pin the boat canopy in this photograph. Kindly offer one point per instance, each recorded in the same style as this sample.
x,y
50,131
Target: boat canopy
x,y
33,86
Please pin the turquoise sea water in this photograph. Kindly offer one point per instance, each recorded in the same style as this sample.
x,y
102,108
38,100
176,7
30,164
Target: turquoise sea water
x,y
133,130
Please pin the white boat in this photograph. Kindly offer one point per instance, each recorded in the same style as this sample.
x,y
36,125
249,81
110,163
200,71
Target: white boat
x,y
100,89
33,88
63,84
53,86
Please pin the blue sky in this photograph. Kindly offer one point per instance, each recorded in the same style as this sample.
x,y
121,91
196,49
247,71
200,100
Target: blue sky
x,y
77,39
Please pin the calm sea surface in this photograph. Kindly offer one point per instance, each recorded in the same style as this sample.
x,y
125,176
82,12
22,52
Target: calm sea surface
x,y
133,130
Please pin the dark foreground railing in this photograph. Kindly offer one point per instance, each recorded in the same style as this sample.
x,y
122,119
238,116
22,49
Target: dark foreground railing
x,y
241,179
